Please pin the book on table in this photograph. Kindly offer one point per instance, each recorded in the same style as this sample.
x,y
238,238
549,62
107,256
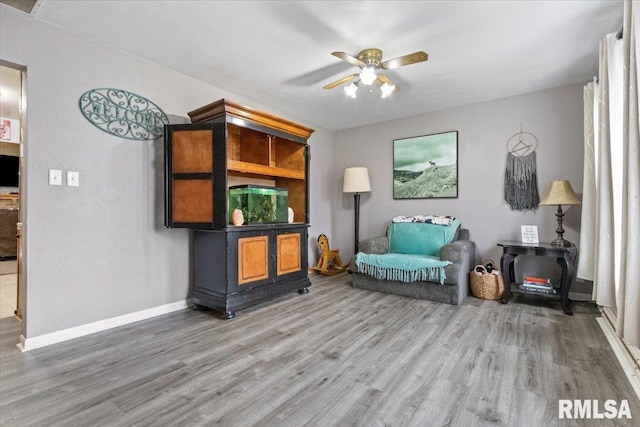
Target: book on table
x,y
538,280
537,284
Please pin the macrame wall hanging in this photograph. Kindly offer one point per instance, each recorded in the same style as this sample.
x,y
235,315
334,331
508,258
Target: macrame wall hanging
x,y
520,176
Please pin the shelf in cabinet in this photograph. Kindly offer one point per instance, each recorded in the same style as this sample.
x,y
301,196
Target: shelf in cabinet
x,y
245,167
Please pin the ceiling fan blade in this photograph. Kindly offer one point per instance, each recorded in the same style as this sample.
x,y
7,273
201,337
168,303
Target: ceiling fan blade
x,y
342,80
384,79
348,58
412,58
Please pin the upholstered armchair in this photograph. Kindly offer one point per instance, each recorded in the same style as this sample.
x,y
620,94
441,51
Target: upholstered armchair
x,y
452,288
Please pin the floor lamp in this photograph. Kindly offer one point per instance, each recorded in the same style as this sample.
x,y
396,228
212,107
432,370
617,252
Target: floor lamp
x,y
560,193
356,181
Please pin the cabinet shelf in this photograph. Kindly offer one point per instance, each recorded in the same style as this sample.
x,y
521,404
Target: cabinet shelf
x,y
246,167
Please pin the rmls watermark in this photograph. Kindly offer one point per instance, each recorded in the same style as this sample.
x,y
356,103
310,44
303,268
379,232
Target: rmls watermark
x,y
593,409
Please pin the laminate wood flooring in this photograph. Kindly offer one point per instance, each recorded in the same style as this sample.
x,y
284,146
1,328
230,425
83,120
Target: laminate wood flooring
x,y
334,357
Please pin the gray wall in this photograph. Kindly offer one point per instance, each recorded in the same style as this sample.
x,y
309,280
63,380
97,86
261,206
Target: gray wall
x,y
100,250
554,116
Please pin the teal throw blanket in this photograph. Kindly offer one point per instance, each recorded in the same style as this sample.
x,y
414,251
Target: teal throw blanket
x,y
414,253
402,267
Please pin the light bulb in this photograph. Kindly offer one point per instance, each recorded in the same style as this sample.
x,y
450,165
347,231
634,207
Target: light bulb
x,y
351,90
387,89
368,75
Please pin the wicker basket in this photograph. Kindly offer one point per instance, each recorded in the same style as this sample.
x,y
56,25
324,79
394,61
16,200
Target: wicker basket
x,y
486,285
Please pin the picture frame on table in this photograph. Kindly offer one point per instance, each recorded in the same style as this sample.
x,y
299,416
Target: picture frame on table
x,y
529,234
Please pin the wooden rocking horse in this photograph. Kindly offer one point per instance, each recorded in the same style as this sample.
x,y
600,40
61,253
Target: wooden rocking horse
x,y
329,262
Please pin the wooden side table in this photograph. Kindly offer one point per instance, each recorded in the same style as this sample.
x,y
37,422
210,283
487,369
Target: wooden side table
x,y
565,257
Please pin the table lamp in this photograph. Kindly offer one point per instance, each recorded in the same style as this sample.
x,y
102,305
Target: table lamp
x,y
560,193
356,181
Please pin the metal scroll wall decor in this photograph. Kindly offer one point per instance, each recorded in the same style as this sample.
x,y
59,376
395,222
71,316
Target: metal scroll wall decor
x,y
123,114
520,177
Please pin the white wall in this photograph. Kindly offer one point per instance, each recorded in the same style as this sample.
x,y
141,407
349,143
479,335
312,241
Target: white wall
x,y
100,250
320,190
554,116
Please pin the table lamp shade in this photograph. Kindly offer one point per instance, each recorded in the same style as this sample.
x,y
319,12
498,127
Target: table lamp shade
x,y
356,180
560,193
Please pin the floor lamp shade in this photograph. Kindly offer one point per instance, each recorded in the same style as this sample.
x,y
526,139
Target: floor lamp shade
x,y
560,193
356,181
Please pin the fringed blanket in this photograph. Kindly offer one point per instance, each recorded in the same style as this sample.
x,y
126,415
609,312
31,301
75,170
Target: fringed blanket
x,y
402,267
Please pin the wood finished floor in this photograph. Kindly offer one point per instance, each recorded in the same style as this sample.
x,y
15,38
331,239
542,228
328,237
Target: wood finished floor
x,y
337,356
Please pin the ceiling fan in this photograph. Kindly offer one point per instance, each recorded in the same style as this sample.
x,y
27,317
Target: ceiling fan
x,y
370,61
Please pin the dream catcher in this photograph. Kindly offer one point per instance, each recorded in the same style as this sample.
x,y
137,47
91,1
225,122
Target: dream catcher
x,y
520,176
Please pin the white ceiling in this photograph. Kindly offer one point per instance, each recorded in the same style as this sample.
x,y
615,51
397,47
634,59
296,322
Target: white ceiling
x,y
278,53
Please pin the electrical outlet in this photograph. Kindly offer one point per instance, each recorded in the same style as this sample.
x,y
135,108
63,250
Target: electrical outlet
x,y
55,177
73,179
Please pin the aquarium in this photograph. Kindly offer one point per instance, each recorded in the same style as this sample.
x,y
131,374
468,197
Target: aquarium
x,y
259,204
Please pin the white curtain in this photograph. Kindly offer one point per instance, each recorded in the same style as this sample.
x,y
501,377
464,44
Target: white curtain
x,y
628,301
611,202
609,130
586,261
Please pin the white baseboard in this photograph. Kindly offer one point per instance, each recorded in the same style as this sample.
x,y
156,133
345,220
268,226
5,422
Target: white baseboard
x,y
623,356
27,344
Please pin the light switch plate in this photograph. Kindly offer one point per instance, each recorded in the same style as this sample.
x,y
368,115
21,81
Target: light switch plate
x,y
73,179
55,177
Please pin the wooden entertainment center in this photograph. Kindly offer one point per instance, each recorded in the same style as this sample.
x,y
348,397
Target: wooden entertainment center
x,y
235,267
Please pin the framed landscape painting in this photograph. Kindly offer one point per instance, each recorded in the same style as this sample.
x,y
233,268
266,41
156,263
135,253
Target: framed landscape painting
x,y
426,167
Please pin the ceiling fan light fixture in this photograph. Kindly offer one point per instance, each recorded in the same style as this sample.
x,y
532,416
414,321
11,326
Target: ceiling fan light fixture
x,y
351,90
370,62
368,75
387,89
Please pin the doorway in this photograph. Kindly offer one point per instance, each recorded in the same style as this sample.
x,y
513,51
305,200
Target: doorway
x,y
12,96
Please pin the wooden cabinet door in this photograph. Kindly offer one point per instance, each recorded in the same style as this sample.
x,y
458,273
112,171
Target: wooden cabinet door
x,y
288,253
190,187
253,259
263,258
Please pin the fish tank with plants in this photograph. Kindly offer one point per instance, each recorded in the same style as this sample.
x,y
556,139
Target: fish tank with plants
x,y
259,204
